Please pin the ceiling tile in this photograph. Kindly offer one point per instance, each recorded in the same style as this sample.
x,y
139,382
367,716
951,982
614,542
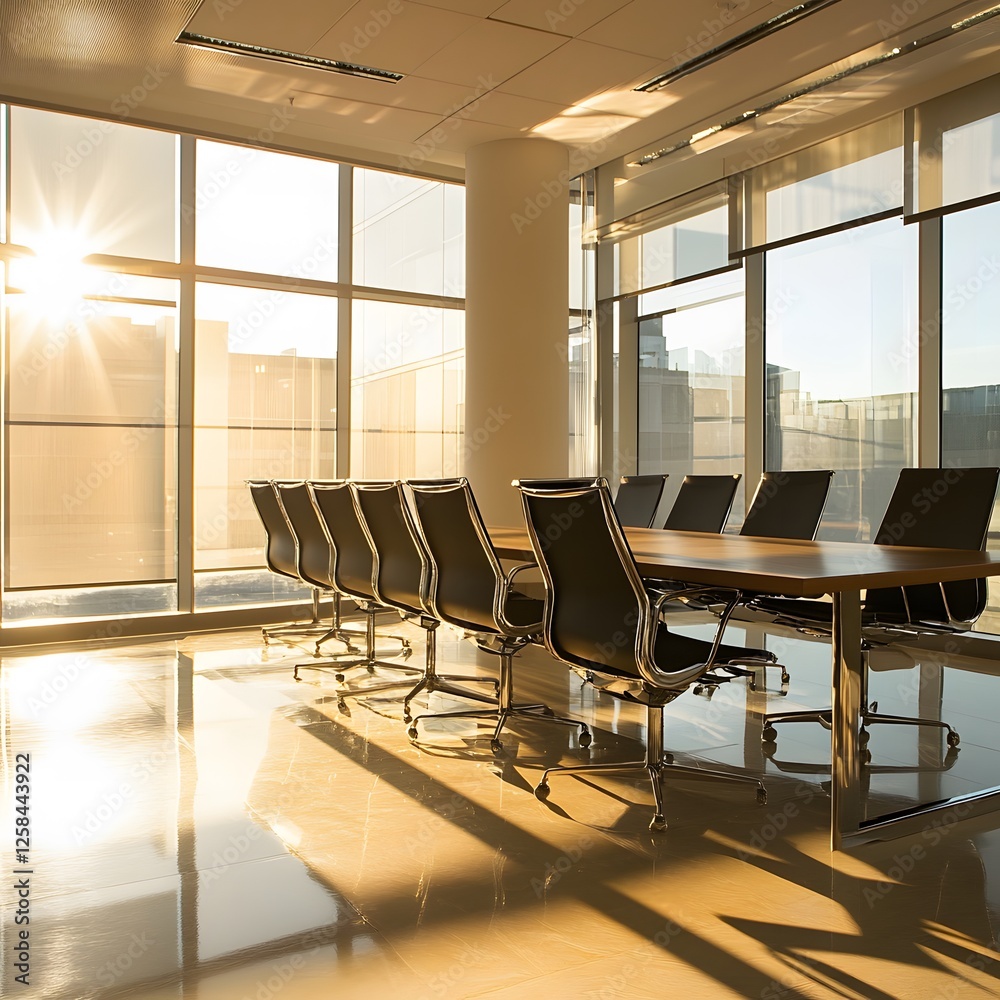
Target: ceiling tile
x,y
412,92
478,8
676,31
398,36
577,71
489,53
356,116
496,108
565,17
293,25
458,135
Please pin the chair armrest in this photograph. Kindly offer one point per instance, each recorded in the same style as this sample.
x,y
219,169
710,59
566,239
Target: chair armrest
x,y
514,570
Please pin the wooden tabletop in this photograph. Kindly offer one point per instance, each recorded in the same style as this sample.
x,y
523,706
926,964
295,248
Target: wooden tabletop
x,y
779,565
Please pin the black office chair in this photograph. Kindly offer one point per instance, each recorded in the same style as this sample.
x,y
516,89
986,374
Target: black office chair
x,y
282,558
401,577
351,574
637,500
469,589
703,503
601,620
786,505
313,557
931,508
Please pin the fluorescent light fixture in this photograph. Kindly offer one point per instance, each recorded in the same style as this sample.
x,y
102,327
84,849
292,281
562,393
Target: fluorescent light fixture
x,y
741,41
292,58
818,84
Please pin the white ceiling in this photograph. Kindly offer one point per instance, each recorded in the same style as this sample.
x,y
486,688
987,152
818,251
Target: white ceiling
x,y
474,70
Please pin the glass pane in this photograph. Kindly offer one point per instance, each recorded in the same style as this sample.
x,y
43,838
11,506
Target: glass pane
x,y
691,382
684,249
273,213
265,408
582,333
841,350
970,359
850,192
92,432
407,391
971,160
409,233
82,186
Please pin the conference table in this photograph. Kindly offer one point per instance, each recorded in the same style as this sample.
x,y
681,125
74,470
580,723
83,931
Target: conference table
x,y
800,569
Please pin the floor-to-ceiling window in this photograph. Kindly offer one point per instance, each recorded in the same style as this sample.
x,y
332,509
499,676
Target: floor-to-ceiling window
x,y
970,349
841,354
173,311
265,353
408,345
90,410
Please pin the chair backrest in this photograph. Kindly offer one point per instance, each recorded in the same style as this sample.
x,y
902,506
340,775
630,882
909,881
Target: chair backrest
x,y
596,604
637,499
788,504
703,503
353,562
466,581
937,508
280,551
401,568
315,554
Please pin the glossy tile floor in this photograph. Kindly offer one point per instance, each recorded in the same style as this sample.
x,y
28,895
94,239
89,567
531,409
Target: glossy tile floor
x,y
204,826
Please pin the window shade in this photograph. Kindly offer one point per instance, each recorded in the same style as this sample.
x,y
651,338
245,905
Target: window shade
x,y
847,179
953,160
674,241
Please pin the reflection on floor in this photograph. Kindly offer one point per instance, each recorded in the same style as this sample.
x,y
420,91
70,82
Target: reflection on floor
x,y
204,826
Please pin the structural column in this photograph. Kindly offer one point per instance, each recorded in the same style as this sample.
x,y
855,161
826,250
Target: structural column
x,y
516,327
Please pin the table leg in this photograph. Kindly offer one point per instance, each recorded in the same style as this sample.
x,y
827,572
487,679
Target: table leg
x,y
845,788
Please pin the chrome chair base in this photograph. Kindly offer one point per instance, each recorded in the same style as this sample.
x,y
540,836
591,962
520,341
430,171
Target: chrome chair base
x,y
657,764
506,709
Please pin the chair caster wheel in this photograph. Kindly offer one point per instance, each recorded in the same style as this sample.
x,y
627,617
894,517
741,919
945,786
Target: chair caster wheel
x,y
768,734
658,824
412,732
406,643
954,739
863,737
762,796
496,747
339,678
371,668
542,791
586,739
406,714
342,708
784,679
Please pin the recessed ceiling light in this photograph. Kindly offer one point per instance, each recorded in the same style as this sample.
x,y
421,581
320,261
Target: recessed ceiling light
x,y
292,58
709,56
877,60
